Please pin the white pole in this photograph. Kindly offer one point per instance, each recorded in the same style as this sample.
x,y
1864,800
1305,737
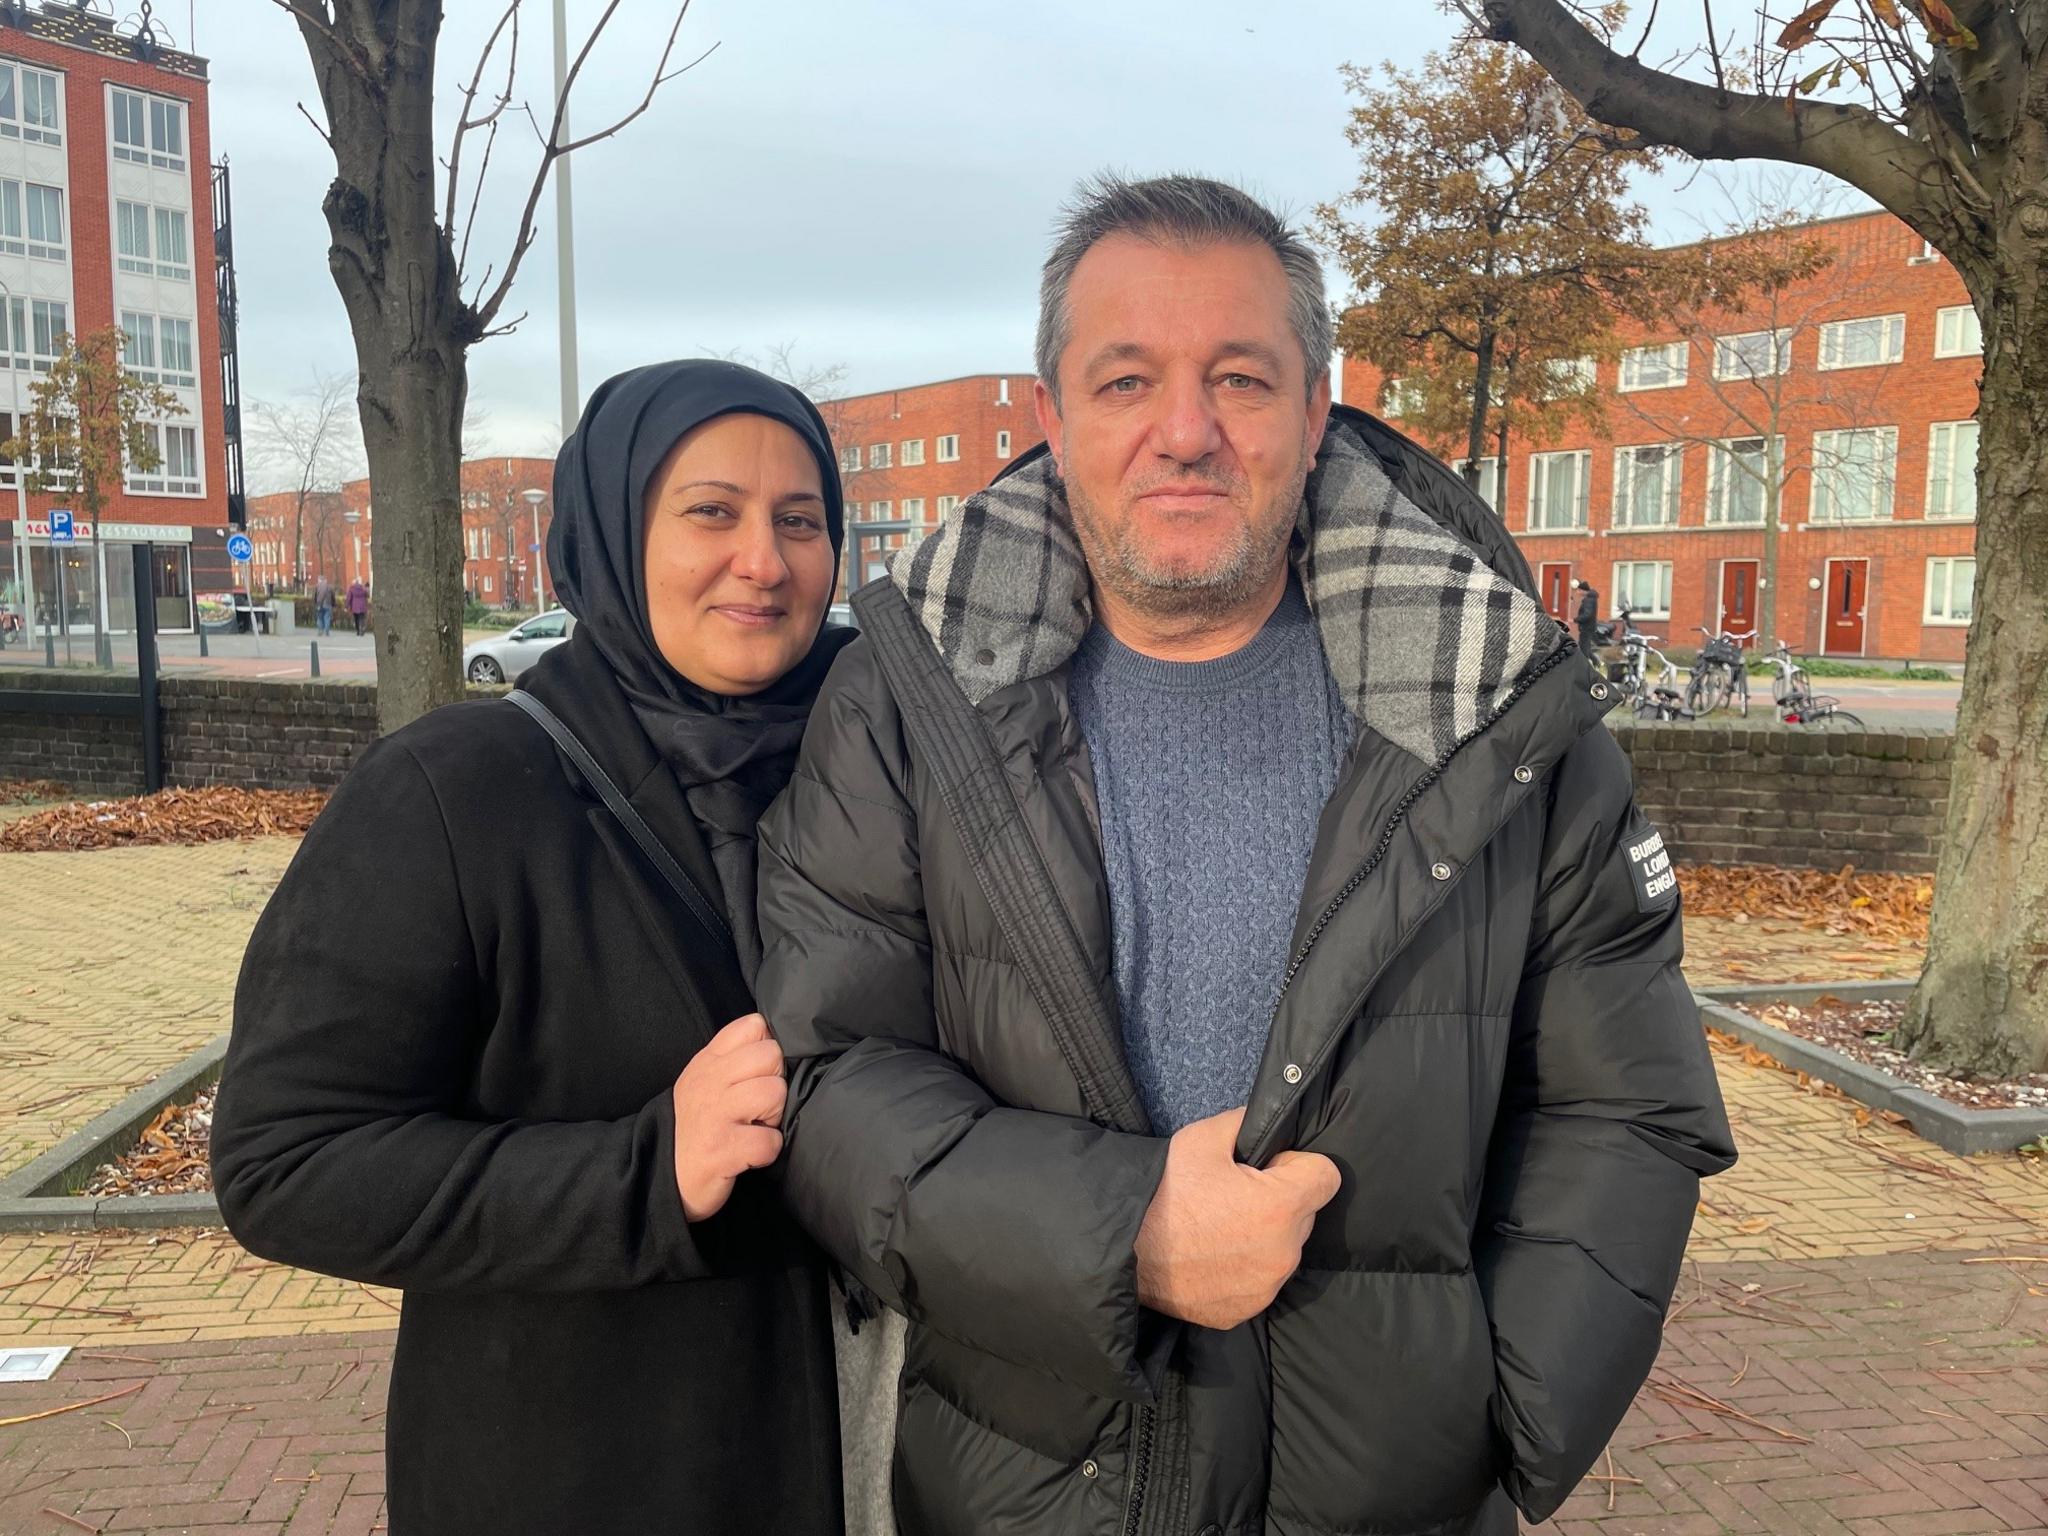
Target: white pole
x,y
565,239
540,584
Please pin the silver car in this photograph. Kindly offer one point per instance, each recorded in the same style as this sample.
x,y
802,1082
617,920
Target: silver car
x,y
502,658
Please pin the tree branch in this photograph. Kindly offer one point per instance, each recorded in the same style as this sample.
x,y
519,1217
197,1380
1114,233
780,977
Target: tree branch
x,y
317,26
464,122
486,311
1853,143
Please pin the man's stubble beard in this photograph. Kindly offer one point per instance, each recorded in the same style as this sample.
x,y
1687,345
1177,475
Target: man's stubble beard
x,y
1119,563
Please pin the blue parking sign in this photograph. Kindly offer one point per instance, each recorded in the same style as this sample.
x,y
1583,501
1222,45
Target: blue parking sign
x,y
240,548
61,531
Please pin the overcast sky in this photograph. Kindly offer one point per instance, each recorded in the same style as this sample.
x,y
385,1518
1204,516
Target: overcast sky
x,y
870,182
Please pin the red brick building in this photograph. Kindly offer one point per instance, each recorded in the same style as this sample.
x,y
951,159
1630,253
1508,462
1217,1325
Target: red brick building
x,y
499,527
907,457
1866,378
108,214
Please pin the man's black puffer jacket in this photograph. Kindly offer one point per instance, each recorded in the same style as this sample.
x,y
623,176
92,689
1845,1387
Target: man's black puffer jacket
x,y
1483,1025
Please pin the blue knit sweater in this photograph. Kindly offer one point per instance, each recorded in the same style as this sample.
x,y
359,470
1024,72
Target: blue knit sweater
x,y
1210,776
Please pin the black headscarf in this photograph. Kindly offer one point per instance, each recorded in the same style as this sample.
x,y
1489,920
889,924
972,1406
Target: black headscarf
x,y
732,756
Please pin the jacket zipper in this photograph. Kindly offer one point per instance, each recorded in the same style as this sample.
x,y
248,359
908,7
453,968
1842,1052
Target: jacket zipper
x,y
1400,814
1141,1469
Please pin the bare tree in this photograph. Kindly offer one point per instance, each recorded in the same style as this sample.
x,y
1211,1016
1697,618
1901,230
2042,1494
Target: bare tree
x,y
324,527
308,445
1937,110
400,221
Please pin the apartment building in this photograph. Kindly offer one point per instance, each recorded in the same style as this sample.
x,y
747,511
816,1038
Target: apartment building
x,y
1853,396
109,211
501,525
907,457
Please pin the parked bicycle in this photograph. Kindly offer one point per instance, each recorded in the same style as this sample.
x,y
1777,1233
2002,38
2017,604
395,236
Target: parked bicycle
x,y
1720,675
1649,697
1797,703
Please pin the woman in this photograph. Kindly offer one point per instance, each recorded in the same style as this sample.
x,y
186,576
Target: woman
x,y
481,1044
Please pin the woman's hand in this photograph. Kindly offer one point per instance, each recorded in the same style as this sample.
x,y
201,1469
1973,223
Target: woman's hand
x,y
728,1109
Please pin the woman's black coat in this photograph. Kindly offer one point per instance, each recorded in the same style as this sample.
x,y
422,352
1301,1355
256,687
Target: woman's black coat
x,y
455,1035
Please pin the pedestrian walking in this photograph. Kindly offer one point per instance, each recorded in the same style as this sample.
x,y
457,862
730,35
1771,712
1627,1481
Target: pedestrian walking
x,y
358,603
526,1083
323,603
1588,621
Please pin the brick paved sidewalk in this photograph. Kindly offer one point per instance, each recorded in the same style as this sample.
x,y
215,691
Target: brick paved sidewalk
x,y
1892,1396
258,1437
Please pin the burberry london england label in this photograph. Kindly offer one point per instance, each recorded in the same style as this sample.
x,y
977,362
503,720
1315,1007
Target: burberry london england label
x,y
1649,866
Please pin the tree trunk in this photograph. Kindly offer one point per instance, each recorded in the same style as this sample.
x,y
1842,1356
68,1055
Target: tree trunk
x,y
1482,399
1982,1001
396,273
1767,568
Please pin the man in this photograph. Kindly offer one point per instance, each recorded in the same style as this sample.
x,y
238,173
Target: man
x,y
1232,1001
1588,620
323,603
358,603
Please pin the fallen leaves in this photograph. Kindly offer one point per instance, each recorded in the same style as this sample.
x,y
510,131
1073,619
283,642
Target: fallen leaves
x,y
32,791
168,1158
173,816
1891,909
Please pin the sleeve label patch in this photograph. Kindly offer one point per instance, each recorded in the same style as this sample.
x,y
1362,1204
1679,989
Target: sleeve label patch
x,y
1649,866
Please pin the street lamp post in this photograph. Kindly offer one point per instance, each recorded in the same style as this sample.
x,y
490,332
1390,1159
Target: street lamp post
x,y
540,586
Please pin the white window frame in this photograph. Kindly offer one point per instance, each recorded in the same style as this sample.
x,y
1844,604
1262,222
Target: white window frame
x,y
154,366
1944,485
1661,608
1721,481
1002,445
1635,364
53,315
945,506
1400,399
1627,465
852,511
1568,377
1539,465
1941,580
1489,479
1958,332
1729,362
1834,339
912,508
879,455
878,511
161,481
156,112
1827,457
947,449
849,459
15,124
913,452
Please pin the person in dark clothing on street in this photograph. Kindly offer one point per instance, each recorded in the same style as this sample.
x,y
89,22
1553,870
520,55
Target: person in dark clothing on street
x,y
525,1082
1232,998
1588,619
323,604
358,603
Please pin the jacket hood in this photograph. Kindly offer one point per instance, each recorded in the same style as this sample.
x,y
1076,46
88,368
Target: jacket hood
x,y
1424,637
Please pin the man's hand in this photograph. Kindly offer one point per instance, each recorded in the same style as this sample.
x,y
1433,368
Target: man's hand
x,y
729,1104
1220,1238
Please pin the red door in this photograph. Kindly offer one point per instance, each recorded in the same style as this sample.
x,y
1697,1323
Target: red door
x,y
1557,591
1848,588
1738,599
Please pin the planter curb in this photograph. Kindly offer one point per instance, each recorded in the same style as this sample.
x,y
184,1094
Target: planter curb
x,y
1965,1132
38,1197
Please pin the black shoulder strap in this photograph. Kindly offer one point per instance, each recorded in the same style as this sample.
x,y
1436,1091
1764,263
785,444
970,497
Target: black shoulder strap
x,y
635,824
954,748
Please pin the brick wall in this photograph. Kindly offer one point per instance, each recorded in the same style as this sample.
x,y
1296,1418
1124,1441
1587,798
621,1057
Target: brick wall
x,y
1739,794
216,731
1721,794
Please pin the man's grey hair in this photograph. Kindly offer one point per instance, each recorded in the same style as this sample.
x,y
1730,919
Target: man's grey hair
x,y
1187,211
